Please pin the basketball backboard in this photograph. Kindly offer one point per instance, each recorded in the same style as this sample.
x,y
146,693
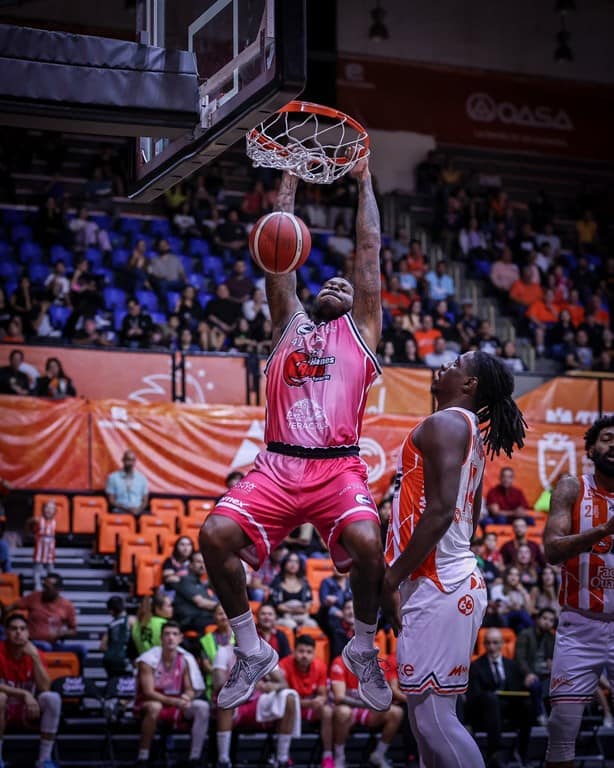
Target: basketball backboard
x,y
251,60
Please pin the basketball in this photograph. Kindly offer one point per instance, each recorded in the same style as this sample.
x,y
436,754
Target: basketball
x,y
279,242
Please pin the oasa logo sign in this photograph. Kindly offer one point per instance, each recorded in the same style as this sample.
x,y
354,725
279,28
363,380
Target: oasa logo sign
x,y
482,108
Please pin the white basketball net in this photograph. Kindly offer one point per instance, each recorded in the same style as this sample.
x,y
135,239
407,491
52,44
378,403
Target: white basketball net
x,y
316,148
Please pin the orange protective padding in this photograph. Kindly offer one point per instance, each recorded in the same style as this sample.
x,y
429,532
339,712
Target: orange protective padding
x,y
110,528
61,664
62,516
85,512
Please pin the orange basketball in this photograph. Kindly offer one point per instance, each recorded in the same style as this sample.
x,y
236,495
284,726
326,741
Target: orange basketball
x,y
279,242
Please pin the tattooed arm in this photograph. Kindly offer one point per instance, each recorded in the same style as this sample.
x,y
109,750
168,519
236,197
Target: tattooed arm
x,y
367,309
559,544
281,289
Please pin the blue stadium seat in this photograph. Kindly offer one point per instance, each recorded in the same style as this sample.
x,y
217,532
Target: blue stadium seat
x,y
161,228
59,315
13,216
314,287
103,220
327,272
94,256
107,274
204,298
5,251
114,298
149,241
59,253
129,225
148,300
199,282
120,257
118,317
213,266
172,297
9,271
38,273
188,265
159,318
31,253
198,247
305,273
316,257
21,232
176,244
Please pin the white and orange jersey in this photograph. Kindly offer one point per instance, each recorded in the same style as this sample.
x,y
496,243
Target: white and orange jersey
x,y
44,541
452,560
587,580
318,378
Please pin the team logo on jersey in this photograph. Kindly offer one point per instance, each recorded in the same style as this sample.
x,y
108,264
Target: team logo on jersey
x,y
300,367
306,414
305,328
477,582
362,498
457,671
465,605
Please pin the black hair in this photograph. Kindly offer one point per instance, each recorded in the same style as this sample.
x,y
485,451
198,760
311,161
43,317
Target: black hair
x,y
301,565
59,365
305,640
170,624
592,434
115,604
56,577
13,617
505,424
175,552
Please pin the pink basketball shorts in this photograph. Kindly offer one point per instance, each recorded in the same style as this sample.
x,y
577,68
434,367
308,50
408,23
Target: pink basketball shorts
x,y
282,492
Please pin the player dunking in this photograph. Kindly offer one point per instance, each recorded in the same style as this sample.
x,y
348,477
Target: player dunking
x,y
433,589
579,534
318,376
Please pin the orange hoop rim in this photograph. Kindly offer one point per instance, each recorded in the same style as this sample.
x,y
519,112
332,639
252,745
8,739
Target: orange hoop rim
x,y
317,109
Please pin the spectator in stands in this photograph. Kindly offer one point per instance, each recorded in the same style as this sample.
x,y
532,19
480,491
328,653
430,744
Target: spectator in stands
x,y
416,260
256,309
512,601
91,336
188,308
266,620
394,300
410,353
5,313
579,356
472,242
126,488
561,335
194,599
307,675
440,355
544,315
425,336
505,501
546,592
5,549
467,325
14,331
534,651
270,568
41,325
339,244
57,284
55,383
444,320
342,629
334,591
510,549
240,285
440,284
186,342
168,686
12,380
412,321
549,237
349,710
21,300
136,326
273,704
230,235
492,562
490,676
99,187
510,357
177,565
136,272
216,635
49,224
586,229
152,614
486,341
25,698
504,273
221,311
185,222
44,529
291,594
524,292
527,567
114,643
175,197
252,206
51,618
88,234
166,272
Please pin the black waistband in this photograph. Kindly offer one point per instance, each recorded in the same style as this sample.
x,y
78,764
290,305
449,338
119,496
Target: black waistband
x,y
334,452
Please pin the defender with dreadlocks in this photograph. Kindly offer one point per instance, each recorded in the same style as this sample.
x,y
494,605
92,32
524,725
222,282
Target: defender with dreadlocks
x,y
580,534
434,592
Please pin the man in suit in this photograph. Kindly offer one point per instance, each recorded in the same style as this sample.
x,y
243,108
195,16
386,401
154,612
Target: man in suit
x,y
495,694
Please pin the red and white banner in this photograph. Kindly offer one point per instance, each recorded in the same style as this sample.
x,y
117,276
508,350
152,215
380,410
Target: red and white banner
x,y
478,107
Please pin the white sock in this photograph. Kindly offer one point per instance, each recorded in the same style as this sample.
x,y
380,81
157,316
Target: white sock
x,y
143,754
223,745
45,749
339,751
246,636
283,747
364,636
381,749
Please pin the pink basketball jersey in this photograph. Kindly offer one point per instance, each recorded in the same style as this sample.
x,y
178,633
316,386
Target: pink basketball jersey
x,y
318,377
170,681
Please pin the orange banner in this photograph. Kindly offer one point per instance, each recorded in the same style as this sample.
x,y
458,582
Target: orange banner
x,y
215,379
44,443
568,400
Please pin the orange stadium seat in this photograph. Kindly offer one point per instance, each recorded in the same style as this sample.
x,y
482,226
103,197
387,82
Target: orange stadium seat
x,y
163,529
61,664
10,588
504,533
162,507
110,528
509,642
316,570
62,517
148,574
289,633
535,535
381,643
190,527
322,644
200,508
85,512
132,546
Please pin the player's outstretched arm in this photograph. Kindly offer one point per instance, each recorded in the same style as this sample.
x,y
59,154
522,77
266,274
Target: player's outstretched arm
x,y
367,309
559,544
281,289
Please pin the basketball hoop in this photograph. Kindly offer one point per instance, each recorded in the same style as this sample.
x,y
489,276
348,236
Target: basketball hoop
x,y
319,144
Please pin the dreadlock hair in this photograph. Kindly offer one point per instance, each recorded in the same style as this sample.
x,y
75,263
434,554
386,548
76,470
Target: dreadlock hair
x,y
505,424
592,434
